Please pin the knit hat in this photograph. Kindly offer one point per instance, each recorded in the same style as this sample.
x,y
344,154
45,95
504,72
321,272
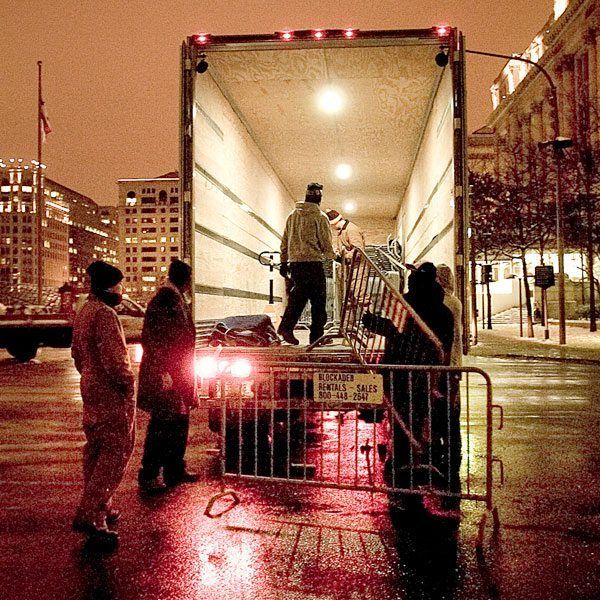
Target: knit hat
x,y
103,275
313,193
445,277
180,273
333,216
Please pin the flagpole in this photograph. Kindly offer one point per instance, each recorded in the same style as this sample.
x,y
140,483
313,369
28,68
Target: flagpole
x,y
40,193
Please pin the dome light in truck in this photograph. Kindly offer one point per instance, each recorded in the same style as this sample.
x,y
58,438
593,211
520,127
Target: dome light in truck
x,y
343,171
331,100
350,206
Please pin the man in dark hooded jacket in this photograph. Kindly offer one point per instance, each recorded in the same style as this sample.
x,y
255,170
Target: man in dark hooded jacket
x,y
166,383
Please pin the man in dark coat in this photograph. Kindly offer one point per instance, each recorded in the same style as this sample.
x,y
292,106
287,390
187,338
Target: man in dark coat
x,y
166,384
107,390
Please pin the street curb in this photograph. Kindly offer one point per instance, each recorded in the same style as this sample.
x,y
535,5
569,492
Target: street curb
x,y
585,361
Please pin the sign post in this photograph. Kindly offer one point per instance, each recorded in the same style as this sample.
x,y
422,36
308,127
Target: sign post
x,y
544,279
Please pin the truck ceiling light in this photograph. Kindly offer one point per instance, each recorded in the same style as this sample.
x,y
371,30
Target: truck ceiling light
x,y
207,367
343,171
350,206
241,368
138,352
331,100
286,35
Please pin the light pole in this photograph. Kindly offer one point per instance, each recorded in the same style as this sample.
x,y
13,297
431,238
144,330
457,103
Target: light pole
x,y
558,145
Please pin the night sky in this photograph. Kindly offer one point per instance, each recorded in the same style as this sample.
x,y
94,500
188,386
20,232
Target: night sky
x,y
111,69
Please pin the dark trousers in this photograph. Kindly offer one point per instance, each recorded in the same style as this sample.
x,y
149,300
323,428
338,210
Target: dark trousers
x,y
166,441
308,283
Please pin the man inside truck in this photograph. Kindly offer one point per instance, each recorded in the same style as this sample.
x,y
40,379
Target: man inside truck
x,y
305,245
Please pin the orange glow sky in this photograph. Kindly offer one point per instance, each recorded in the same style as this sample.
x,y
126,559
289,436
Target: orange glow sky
x,y
111,69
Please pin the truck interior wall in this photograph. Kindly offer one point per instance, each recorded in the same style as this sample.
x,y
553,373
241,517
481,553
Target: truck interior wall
x,y
240,207
376,230
426,217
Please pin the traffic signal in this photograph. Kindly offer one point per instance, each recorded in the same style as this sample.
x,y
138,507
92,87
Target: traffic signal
x,y
486,274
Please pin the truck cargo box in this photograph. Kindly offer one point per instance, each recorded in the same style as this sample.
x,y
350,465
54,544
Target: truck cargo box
x,y
263,115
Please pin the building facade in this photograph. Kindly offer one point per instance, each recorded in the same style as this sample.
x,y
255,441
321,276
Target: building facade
x,y
568,47
149,231
91,236
18,228
76,231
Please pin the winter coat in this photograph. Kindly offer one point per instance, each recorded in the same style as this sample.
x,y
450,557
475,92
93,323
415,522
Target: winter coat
x,y
350,236
307,235
100,355
168,340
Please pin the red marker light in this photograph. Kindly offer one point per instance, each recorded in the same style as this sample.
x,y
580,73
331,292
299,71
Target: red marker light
x,y
442,30
319,34
202,38
349,33
286,35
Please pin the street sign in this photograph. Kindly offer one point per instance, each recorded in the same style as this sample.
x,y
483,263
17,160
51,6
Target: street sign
x,y
544,276
338,387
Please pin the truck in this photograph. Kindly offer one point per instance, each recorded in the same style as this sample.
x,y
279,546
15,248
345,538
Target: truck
x,y
23,334
377,117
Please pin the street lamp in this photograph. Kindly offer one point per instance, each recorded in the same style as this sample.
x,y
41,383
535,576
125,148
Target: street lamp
x,y
558,145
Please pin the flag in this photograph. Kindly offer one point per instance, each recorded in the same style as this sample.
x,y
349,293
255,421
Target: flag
x,y
44,122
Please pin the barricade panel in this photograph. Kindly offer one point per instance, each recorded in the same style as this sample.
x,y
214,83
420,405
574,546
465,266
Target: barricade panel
x,y
411,431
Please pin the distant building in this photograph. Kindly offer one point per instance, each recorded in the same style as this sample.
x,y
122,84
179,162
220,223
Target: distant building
x,y
568,47
91,236
149,231
18,227
74,233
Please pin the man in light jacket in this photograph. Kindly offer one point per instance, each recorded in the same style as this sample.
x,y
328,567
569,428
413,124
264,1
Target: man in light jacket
x,y
166,385
107,390
305,245
348,235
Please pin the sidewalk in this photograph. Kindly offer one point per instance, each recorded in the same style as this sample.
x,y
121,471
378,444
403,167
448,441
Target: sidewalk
x,y
504,341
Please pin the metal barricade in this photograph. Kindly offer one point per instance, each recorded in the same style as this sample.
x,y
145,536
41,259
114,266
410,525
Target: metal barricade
x,y
374,314
422,434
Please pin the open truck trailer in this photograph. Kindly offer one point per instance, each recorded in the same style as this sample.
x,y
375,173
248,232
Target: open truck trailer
x,y
264,115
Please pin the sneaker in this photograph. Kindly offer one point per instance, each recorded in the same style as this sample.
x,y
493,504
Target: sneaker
x,y
288,336
103,539
112,516
151,486
183,477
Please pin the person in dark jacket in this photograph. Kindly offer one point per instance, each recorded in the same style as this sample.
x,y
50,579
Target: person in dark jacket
x,y
418,397
107,390
166,383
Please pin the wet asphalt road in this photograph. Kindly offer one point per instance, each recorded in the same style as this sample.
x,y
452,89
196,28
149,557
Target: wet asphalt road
x,y
282,543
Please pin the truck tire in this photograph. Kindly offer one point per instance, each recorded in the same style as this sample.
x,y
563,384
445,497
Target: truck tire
x,y
23,350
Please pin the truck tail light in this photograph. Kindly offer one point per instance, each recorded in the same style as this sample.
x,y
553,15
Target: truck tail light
x,y
241,368
208,367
